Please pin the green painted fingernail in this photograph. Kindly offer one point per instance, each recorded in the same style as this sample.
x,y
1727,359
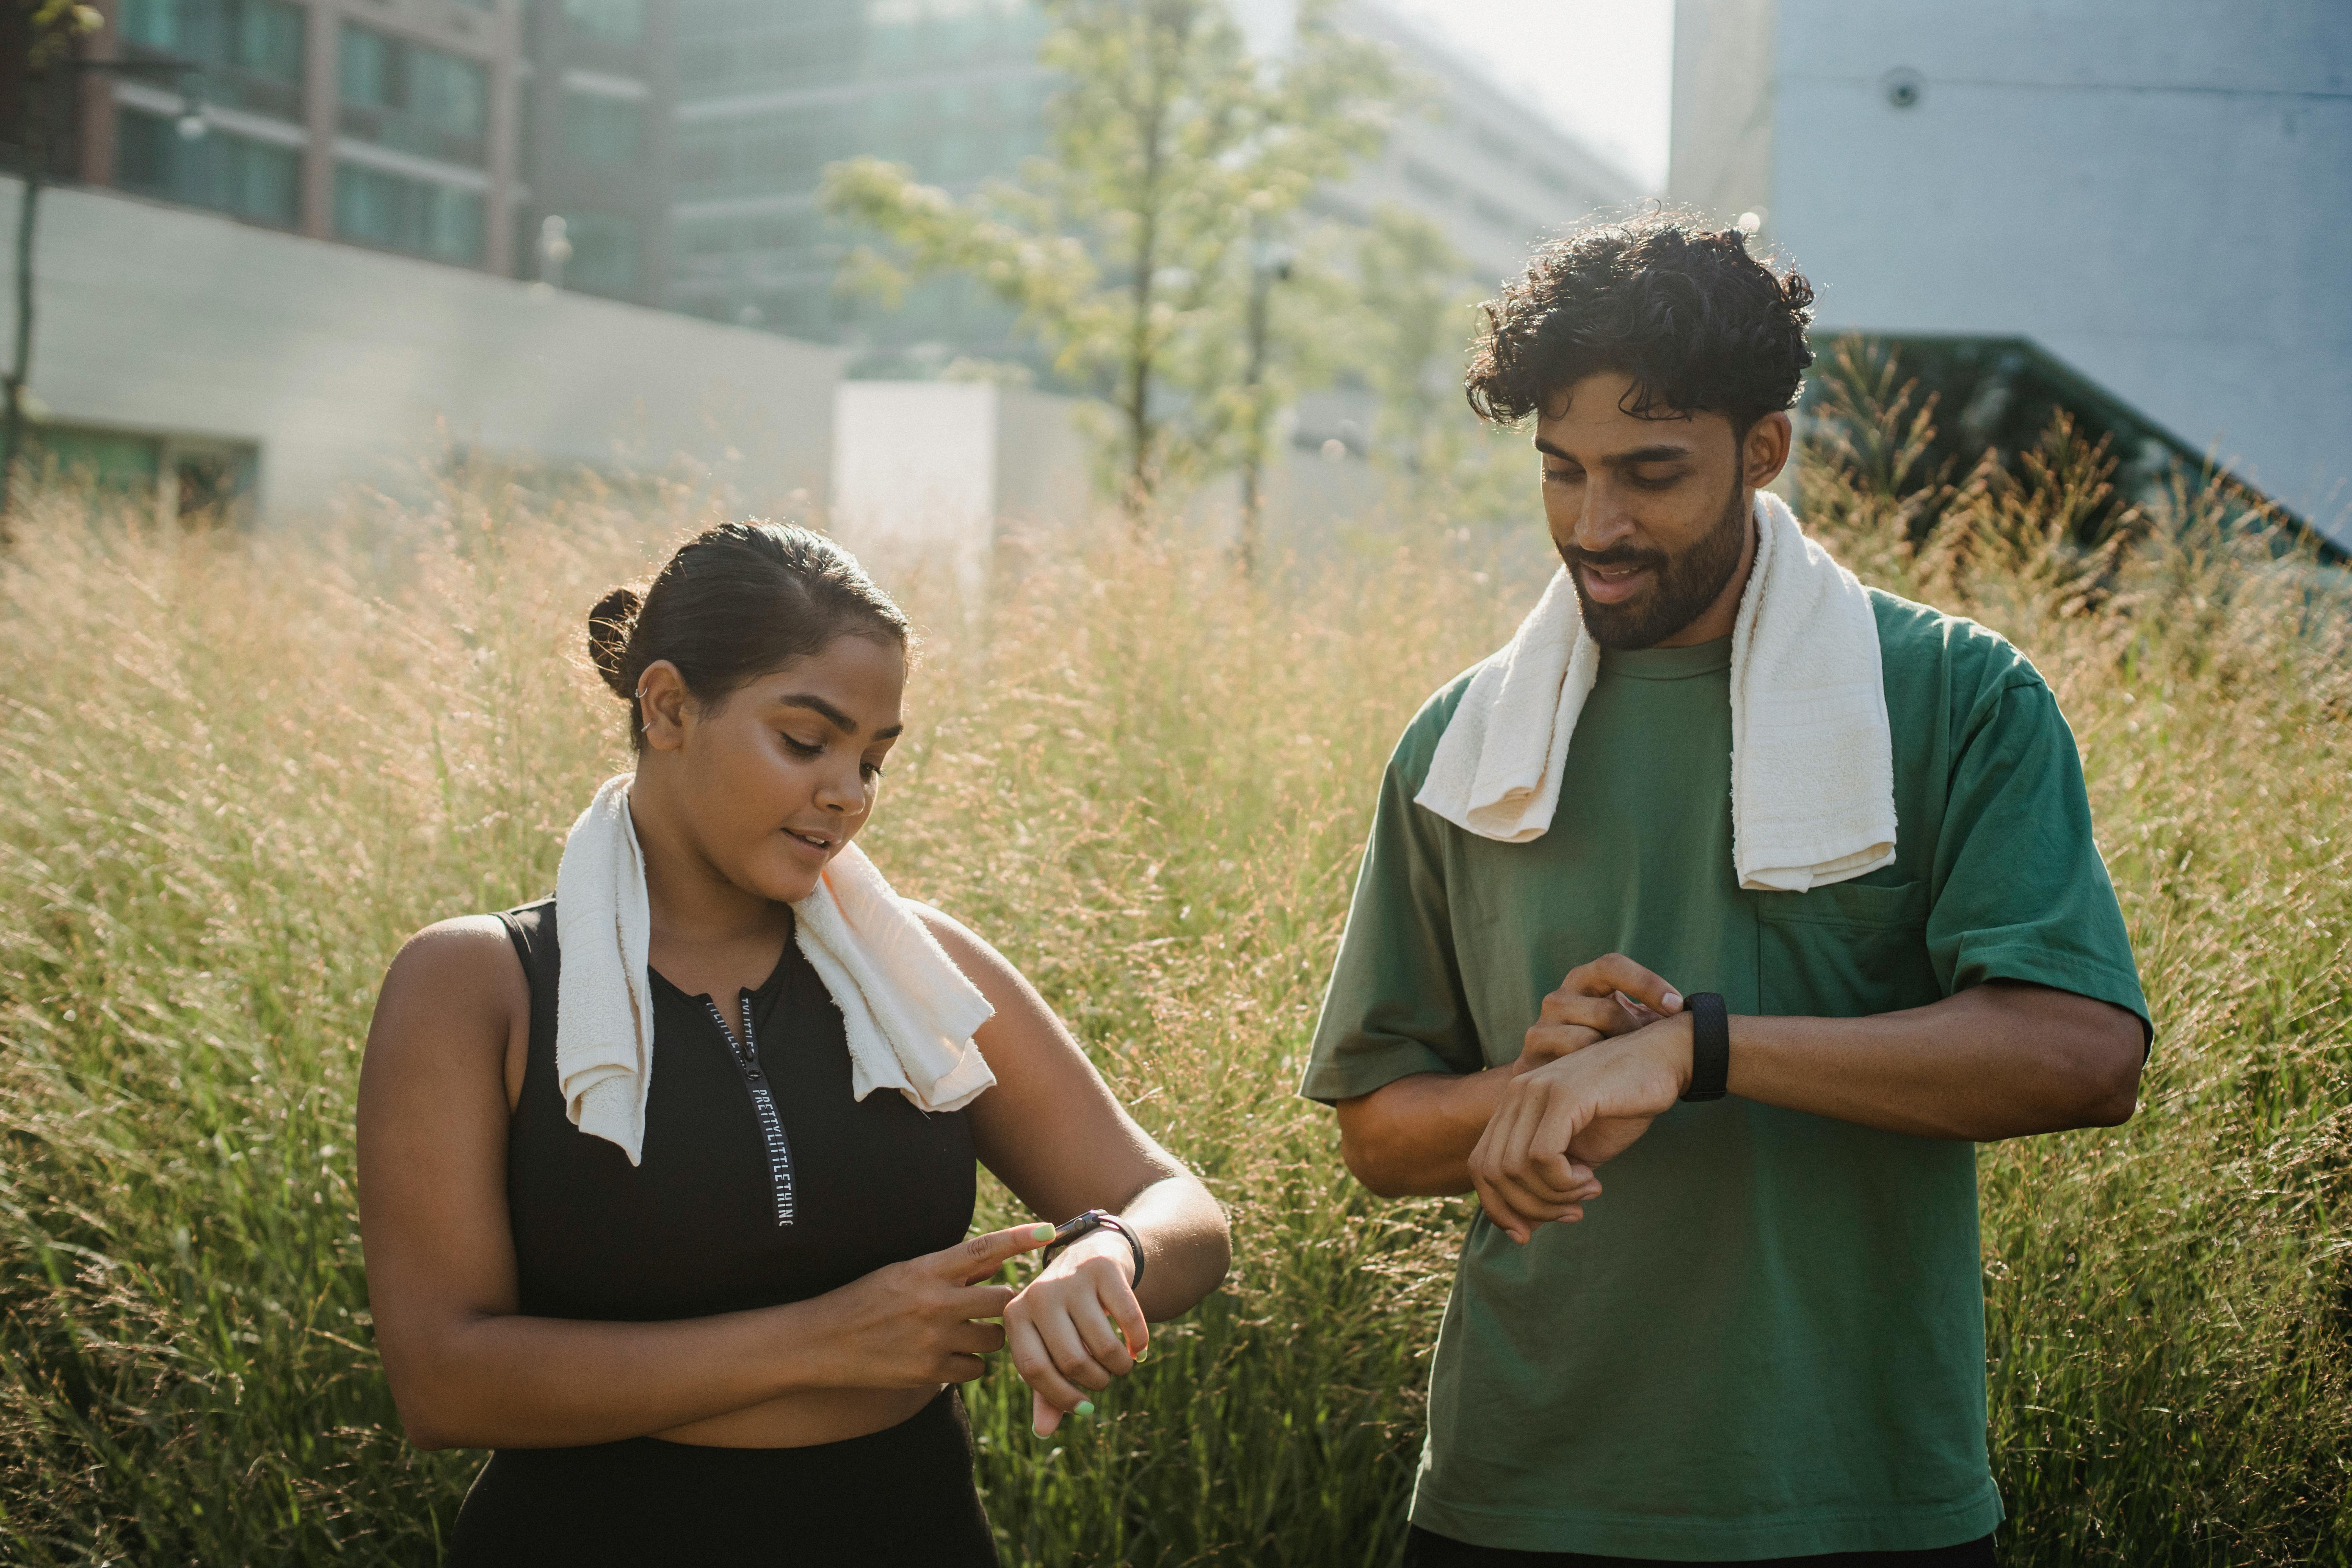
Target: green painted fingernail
x,y
1086,1410
1041,1233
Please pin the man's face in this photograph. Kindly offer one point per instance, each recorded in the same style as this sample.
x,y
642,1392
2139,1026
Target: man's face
x,y
1649,515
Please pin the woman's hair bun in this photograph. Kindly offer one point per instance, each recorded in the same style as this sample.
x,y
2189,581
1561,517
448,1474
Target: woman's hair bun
x,y
608,635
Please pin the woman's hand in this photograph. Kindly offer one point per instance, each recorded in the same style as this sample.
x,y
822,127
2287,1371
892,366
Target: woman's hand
x,y
919,1322
1077,1326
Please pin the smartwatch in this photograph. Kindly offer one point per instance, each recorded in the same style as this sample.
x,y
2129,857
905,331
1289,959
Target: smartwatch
x,y
1710,1046
1086,1223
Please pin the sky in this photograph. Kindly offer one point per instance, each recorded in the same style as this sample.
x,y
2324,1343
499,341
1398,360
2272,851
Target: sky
x,y
1603,69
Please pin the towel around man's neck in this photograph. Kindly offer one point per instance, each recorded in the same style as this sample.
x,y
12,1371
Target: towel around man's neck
x,y
908,1012
1812,757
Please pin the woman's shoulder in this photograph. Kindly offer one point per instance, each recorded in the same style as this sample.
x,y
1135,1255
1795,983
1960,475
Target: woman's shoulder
x,y
465,969
965,947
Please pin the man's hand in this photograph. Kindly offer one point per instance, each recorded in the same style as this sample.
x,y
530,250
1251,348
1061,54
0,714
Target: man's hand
x,y
1563,1113
1558,1120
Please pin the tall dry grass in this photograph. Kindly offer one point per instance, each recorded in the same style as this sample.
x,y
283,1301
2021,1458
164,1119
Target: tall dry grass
x,y
241,770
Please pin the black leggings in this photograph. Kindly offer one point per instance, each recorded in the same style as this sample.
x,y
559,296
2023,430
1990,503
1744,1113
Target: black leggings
x,y
1425,1549
900,1496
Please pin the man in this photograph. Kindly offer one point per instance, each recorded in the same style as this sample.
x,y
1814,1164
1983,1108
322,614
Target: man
x,y
1757,1332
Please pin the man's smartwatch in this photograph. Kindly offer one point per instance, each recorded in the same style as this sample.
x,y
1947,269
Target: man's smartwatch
x,y
1086,1223
1710,1046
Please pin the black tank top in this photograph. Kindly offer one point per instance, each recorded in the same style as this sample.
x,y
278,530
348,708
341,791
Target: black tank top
x,y
762,1181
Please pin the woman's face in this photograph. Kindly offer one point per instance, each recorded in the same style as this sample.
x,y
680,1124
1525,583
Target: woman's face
x,y
784,771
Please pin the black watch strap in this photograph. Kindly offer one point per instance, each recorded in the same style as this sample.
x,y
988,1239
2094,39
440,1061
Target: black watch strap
x,y
1710,1046
1086,1223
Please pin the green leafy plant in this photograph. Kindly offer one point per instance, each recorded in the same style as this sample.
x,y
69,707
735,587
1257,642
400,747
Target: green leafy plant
x,y
1130,251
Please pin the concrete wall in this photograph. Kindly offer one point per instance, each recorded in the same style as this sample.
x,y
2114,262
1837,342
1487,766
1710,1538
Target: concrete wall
x,y
915,473
1721,157
2159,191
347,365
926,472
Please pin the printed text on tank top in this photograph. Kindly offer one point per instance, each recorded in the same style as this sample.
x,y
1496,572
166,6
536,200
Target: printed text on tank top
x,y
746,1052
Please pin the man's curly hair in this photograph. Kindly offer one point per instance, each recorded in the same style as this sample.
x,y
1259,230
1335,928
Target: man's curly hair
x,y
1698,323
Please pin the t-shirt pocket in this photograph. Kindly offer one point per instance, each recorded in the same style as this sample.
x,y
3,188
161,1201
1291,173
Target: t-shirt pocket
x,y
1844,951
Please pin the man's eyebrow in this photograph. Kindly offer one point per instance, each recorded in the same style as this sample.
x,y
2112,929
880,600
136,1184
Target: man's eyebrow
x,y
1661,452
1658,452
834,716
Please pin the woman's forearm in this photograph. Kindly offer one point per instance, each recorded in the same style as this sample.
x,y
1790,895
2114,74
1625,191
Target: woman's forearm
x,y
496,1380
1186,1245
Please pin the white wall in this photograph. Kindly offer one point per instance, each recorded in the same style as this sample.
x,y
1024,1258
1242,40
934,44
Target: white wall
x,y
2159,191
347,365
925,473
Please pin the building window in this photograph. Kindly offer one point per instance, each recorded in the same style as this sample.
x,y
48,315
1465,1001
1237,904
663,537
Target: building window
x,y
599,129
252,49
195,478
228,172
604,254
611,21
396,213
409,96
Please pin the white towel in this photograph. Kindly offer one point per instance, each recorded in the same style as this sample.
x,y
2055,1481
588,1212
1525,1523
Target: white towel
x,y
908,1012
1812,757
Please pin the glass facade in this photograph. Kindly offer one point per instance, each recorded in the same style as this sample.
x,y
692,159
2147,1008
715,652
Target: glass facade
x,y
195,479
420,216
251,49
613,21
106,459
771,91
603,131
224,171
412,97
606,253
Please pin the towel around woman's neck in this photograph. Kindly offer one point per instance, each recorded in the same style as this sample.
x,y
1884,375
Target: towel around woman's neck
x,y
1812,757
908,1012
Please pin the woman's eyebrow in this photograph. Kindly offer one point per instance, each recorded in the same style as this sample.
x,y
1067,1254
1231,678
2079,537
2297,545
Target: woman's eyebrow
x,y
834,716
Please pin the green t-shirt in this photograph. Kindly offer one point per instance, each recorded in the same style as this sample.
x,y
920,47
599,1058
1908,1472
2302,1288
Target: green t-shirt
x,y
1766,1338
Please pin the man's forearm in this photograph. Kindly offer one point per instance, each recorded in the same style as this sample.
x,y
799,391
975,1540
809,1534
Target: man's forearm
x,y
1990,1062
1413,1138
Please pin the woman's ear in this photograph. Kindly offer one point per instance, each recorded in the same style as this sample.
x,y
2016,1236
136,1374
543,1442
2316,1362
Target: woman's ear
x,y
662,704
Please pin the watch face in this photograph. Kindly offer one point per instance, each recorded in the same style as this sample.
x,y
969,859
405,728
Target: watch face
x,y
1072,1228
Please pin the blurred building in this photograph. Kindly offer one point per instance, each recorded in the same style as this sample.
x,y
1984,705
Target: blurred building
x,y
450,130
771,91
195,359
2149,199
1494,170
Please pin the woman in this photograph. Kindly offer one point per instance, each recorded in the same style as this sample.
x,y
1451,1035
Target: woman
x,y
716,1311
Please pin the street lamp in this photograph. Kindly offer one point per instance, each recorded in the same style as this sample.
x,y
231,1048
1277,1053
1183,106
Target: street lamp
x,y
34,139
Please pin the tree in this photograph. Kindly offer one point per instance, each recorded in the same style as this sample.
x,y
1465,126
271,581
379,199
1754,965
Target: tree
x,y
1416,311
44,33
1134,251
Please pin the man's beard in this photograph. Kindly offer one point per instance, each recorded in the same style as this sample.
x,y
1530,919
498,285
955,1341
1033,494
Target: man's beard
x,y
1681,586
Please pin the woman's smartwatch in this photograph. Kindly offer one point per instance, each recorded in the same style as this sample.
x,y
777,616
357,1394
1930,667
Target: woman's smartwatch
x,y
1086,1223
